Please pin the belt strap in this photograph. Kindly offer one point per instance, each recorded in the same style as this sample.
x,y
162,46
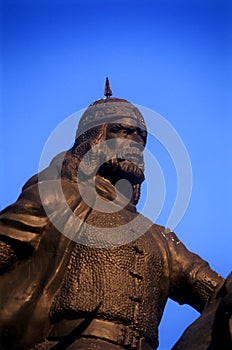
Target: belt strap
x,y
113,332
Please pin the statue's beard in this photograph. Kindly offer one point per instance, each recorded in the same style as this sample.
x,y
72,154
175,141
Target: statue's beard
x,y
117,169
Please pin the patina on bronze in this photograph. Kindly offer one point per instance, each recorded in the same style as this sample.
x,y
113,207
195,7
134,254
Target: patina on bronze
x,y
59,294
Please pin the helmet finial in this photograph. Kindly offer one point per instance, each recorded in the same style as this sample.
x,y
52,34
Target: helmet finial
x,y
107,90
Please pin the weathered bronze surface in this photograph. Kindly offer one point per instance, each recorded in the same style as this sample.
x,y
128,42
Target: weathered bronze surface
x,y
60,294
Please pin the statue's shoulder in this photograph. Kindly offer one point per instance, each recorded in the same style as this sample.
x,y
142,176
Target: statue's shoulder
x,y
157,228
165,236
52,172
157,231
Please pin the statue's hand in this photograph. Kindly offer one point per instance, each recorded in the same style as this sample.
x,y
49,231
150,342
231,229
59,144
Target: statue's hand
x,y
8,257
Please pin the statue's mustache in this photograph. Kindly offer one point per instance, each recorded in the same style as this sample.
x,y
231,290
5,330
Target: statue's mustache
x,y
132,154
124,155
92,158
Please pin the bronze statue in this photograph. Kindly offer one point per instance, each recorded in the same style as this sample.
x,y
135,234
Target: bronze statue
x,y
58,293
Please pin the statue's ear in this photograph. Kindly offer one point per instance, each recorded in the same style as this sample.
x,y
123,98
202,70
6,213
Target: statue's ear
x,y
90,162
102,134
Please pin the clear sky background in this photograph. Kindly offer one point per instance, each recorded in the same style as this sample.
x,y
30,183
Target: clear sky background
x,y
172,56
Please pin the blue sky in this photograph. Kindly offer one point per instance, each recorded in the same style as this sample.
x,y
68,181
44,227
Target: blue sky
x,y
173,57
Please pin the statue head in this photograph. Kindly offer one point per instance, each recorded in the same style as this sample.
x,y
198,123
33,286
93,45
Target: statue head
x,y
118,130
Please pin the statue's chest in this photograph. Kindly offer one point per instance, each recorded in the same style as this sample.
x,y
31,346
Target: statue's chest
x,y
124,280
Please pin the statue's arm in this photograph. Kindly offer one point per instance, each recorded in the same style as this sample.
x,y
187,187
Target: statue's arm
x,y
21,226
8,257
192,281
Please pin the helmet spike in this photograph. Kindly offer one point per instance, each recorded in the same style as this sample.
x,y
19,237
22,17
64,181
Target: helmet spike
x,y
107,90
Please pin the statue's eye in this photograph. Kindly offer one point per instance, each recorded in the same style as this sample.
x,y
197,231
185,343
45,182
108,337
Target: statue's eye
x,y
119,130
123,131
115,128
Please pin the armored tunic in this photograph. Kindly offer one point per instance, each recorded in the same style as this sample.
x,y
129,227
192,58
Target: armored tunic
x,y
131,283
